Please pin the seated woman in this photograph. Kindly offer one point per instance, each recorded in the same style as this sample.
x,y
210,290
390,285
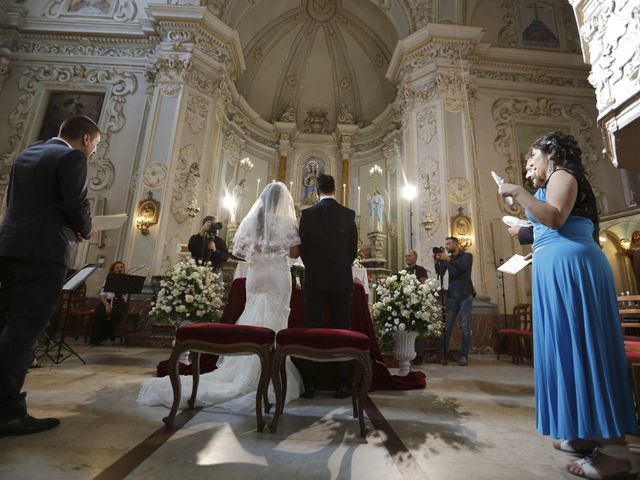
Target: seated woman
x,y
108,315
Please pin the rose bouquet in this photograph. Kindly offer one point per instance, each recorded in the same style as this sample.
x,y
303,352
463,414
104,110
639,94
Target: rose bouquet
x,y
190,292
406,304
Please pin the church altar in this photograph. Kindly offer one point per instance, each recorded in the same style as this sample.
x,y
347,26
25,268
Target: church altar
x,y
359,274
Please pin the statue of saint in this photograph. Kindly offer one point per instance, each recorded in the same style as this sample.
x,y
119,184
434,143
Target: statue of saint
x,y
376,211
309,183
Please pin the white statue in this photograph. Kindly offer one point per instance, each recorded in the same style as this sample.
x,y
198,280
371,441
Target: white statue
x,y
376,211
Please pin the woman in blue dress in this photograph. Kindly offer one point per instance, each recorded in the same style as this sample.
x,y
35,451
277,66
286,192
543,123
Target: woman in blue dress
x,y
582,387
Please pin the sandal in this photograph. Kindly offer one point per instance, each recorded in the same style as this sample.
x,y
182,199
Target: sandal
x,y
566,446
588,470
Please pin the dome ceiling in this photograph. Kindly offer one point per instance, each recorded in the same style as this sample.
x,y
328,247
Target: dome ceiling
x,y
316,55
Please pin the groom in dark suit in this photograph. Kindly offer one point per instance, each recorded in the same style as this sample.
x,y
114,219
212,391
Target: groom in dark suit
x,y
329,245
47,212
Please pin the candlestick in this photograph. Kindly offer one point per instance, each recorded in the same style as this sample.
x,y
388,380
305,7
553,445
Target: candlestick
x,y
258,189
344,194
358,205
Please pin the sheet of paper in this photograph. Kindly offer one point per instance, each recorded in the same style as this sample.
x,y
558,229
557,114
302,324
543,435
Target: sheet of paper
x,y
514,264
108,222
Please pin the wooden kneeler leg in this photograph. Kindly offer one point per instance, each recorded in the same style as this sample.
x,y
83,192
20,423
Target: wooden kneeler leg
x,y
276,373
175,384
263,385
195,373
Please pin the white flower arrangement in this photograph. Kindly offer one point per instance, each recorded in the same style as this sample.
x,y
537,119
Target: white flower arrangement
x,y
406,304
190,292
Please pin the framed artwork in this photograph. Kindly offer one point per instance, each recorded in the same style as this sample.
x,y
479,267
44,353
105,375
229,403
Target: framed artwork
x,y
91,7
62,105
526,134
538,24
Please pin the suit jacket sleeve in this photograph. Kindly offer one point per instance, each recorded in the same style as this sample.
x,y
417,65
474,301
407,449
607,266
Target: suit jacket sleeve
x,y
353,240
525,235
459,265
72,176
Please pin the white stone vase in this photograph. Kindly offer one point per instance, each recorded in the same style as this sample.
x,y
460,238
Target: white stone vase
x,y
404,350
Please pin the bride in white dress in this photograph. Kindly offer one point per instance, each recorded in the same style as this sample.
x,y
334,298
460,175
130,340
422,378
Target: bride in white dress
x,y
265,237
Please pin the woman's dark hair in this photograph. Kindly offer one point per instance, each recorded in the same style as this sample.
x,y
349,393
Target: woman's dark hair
x,y
563,150
112,267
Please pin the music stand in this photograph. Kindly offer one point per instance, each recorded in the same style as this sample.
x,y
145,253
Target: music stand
x,y
124,284
49,344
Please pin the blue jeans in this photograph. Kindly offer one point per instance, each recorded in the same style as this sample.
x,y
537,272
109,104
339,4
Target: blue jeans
x,y
455,305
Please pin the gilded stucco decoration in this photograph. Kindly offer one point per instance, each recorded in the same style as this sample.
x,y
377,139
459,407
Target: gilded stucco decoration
x,y
186,184
155,175
196,113
459,189
35,80
507,111
124,11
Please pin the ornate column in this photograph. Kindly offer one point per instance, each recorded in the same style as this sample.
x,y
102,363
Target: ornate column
x,y
4,71
431,67
345,134
285,132
196,55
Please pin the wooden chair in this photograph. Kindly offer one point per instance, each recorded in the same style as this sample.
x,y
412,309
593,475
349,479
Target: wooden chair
x,y
323,345
517,337
220,339
629,310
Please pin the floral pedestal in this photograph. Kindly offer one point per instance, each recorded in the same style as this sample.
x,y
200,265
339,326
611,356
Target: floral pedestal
x,y
404,350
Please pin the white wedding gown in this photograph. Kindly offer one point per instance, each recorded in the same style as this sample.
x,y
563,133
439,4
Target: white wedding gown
x,y
234,383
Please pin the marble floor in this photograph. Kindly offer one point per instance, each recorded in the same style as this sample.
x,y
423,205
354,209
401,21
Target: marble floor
x,y
473,422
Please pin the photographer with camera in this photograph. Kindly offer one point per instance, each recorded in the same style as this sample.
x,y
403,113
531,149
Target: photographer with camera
x,y
207,246
460,293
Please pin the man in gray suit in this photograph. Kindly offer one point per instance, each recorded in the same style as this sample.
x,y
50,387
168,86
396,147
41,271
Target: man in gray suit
x,y
47,212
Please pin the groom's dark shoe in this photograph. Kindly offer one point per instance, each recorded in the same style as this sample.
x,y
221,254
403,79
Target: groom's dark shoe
x,y
309,390
27,425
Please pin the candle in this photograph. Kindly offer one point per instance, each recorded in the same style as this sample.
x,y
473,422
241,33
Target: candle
x,y
358,205
290,187
344,193
258,189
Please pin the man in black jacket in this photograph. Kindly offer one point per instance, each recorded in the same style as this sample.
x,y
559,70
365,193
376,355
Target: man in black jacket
x,y
329,245
47,213
207,246
460,293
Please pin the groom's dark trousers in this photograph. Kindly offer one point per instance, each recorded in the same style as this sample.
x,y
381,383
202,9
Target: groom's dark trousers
x,y
329,240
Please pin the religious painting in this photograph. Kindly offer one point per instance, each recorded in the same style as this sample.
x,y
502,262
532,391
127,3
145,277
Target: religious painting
x,y
526,134
313,166
91,7
63,105
538,25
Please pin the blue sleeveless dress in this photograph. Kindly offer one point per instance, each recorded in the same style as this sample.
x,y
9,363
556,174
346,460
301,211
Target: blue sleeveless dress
x,y
582,384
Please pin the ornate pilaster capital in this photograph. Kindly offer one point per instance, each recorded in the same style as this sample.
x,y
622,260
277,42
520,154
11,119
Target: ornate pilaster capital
x,y
232,143
169,72
284,132
5,67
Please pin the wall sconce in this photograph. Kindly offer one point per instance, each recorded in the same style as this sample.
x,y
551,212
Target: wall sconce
x,y
148,213
625,243
428,222
462,229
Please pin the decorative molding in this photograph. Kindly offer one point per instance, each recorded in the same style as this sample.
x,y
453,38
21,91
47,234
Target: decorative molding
x,y
118,86
5,68
429,171
125,10
155,175
508,36
316,121
427,125
393,155
527,74
169,252
345,115
232,144
288,113
459,189
196,113
186,183
420,12
505,113
169,73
